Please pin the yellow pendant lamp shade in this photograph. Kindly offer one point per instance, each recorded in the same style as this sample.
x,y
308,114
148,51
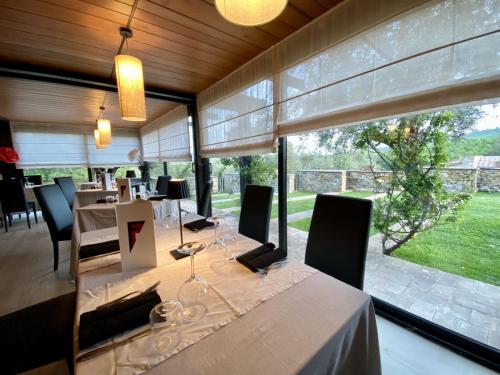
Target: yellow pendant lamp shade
x,y
130,82
250,12
104,127
97,137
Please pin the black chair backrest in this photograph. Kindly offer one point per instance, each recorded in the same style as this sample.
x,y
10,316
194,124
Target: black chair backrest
x,y
162,183
68,188
12,195
130,174
38,334
54,207
338,237
205,199
34,179
256,212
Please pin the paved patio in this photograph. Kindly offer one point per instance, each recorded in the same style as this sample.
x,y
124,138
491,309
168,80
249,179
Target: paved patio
x,y
467,306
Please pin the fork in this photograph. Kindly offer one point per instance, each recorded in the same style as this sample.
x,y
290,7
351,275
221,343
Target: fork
x,y
264,271
122,298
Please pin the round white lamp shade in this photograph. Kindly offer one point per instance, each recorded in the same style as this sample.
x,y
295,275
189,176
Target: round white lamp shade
x,y
250,12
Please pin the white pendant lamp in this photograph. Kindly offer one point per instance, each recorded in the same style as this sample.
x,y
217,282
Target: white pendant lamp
x,y
97,137
130,82
250,12
104,128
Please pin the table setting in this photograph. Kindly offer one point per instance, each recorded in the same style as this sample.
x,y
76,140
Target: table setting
x,y
206,295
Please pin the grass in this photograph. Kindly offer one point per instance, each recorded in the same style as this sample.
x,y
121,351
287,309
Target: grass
x,y
305,224
469,247
358,194
235,200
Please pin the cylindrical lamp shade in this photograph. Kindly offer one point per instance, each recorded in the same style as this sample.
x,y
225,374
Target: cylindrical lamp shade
x,y
104,127
250,12
177,189
130,82
97,137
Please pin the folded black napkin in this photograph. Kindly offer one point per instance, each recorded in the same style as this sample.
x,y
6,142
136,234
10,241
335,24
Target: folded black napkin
x,y
157,197
100,248
177,255
197,225
261,257
98,325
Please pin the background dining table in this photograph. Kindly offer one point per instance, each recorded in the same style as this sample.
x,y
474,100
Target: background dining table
x,y
294,320
89,216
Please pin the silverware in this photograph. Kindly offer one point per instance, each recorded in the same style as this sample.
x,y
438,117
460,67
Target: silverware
x,y
122,298
264,271
106,348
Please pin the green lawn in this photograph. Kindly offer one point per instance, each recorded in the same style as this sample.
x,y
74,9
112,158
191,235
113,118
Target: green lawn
x,y
469,247
235,201
358,194
304,224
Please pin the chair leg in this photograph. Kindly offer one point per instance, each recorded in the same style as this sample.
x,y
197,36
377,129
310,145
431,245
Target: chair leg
x,y
28,219
56,254
5,223
10,220
34,213
19,216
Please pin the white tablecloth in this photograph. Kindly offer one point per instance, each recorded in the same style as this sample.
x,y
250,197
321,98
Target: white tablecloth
x,y
87,197
293,321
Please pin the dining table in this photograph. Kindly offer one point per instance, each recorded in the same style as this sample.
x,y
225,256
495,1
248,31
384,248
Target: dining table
x,y
289,320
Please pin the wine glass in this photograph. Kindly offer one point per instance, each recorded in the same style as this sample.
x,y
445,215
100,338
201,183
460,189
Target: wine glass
x,y
192,292
217,243
163,320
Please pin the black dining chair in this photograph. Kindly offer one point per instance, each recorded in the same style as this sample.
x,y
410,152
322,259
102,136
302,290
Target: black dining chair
x,y
68,188
34,179
205,199
161,184
38,335
57,214
256,212
338,237
13,201
130,174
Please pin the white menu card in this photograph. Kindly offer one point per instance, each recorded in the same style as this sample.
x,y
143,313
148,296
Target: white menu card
x,y
124,189
136,234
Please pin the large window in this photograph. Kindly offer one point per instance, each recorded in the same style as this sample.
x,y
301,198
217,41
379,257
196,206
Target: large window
x,y
434,179
79,174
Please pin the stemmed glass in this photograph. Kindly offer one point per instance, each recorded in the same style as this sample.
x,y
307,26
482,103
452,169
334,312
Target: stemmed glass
x,y
192,292
163,320
217,243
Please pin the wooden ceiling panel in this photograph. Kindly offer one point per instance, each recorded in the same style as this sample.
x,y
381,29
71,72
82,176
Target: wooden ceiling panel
x,y
34,101
185,46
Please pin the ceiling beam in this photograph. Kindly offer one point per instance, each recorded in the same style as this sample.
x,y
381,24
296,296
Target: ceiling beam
x,y
37,73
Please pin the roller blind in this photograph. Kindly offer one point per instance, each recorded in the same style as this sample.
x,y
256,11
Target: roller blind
x,y
435,54
124,141
362,60
62,145
167,137
236,114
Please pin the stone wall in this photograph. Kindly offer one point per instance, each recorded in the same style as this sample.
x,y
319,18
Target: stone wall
x,y
365,181
324,181
489,180
319,181
460,180
230,183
